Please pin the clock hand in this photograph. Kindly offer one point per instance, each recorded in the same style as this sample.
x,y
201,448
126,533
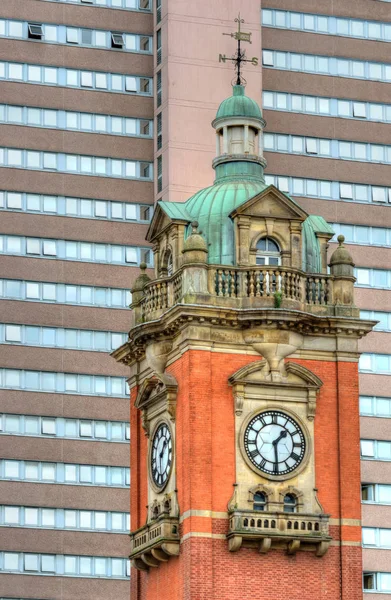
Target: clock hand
x,y
283,434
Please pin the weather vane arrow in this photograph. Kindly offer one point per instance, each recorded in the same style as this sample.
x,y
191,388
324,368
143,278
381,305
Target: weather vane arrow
x,y
240,55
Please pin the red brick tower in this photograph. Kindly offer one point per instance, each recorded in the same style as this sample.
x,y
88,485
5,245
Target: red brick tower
x,y
244,393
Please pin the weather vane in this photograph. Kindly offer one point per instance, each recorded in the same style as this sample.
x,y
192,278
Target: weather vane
x,y
240,55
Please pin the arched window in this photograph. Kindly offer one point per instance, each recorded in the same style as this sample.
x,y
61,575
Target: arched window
x,y
260,501
268,252
170,266
290,503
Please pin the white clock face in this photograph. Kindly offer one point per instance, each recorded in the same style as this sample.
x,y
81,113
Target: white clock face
x,y
274,443
161,455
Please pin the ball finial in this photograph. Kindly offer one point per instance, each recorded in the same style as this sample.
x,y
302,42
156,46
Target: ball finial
x,y
341,239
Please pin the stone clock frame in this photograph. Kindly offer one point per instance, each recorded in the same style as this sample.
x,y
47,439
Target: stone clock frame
x,y
159,422
307,437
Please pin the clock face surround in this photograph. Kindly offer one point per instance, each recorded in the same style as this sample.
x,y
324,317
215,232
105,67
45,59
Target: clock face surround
x,y
161,456
274,443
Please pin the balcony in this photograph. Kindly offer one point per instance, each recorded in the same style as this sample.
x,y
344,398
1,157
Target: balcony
x,y
291,531
155,542
236,287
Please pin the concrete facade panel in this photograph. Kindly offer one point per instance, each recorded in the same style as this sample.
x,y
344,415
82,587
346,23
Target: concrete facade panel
x,y
65,496
56,359
375,515
374,385
326,127
64,588
36,269
325,85
375,428
373,299
92,59
127,105
338,211
53,140
71,228
374,257
377,560
358,9
77,186
373,471
326,168
58,315
69,451
48,541
64,405
77,15
378,342
328,45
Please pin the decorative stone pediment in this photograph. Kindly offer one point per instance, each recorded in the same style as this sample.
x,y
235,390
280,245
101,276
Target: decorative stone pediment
x,y
156,395
298,385
271,203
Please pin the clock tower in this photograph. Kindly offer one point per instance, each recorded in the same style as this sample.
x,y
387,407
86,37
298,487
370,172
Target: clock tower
x,y
243,365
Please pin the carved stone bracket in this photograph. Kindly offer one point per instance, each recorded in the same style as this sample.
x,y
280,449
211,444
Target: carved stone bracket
x,y
154,391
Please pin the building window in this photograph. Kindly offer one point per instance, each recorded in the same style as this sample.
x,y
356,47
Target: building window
x,y
159,46
35,31
260,501
159,88
369,581
158,11
268,252
159,141
159,174
290,503
117,40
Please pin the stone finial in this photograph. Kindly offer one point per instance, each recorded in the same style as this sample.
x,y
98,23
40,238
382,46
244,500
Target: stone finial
x,y
341,262
195,249
141,280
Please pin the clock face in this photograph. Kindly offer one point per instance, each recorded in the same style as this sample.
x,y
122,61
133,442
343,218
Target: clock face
x,y
161,455
274,443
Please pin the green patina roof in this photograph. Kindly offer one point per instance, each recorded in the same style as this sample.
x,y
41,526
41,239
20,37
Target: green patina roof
x,y
237,180
238,105
311,250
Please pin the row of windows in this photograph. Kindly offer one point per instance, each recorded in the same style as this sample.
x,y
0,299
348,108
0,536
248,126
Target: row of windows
x,y
80,251
60,293
60,76
57,564
123,4
46,472
374,278
360,234
60,518
376,537
294,144
72,163
384,319
327,65
75,207
375,363
61,34
76,121
376,493
377,582
334,190
64,383
113,431
374,30
328,107
58,337
376,449
373,406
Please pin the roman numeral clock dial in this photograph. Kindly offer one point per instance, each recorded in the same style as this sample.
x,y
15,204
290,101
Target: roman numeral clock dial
x,y
161,455
274,443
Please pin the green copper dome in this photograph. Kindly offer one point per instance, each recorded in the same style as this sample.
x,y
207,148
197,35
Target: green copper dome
x,y
238,105
212,206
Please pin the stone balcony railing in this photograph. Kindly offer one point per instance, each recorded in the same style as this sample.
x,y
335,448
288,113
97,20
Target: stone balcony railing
x,y
155,542
243,287
290,530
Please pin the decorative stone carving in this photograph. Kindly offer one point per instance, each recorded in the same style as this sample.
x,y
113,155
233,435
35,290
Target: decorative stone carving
x,y
156,395
274,345
156,353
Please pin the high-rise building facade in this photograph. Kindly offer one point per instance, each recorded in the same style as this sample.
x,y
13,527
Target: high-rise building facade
x,y
144,78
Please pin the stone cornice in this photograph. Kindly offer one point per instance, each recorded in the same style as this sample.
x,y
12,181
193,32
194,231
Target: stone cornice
x,y
176,318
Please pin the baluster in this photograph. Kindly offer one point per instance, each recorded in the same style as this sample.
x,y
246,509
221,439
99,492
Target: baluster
x,y
317,290
289,284
259,281
278,281
309,290
322,291
219,283
250,284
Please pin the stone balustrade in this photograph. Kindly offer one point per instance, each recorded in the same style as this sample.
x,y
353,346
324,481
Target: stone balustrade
x,y
288,529
155,542
239,287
